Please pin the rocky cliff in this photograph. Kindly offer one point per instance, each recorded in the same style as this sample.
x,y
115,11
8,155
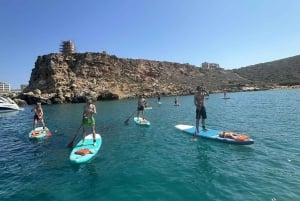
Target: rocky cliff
x,y
61,78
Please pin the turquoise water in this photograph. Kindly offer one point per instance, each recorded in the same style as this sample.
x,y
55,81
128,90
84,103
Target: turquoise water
x,y
158,162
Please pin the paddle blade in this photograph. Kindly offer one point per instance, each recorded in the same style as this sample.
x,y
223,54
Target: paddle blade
x,y
126,121
71,144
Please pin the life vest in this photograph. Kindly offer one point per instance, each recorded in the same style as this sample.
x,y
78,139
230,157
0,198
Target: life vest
x,y
242,137
36,133
83,152
144,121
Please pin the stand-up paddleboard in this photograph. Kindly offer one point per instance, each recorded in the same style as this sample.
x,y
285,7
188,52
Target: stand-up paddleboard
x,y
226,98
140,121
84,153
147,108
176,104
214,135
39,133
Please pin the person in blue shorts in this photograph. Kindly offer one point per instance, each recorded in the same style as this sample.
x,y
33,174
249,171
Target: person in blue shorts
x,y
200,108
89,110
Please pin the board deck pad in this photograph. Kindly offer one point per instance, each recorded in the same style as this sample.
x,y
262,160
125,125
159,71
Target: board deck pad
x,y
211,134
88,146
140,121
39,133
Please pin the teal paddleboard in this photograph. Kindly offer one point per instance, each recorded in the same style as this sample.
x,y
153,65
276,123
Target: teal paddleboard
x,y
39,133
84,153
140,121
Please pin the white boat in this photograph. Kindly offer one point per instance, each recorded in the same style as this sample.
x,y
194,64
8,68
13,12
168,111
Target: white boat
x,y
7,105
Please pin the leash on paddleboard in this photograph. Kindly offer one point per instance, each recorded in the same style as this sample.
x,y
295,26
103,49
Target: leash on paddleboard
x,y
127,120
70,145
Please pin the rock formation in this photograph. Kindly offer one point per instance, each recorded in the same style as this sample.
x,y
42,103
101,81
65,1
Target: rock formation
x,y
61,78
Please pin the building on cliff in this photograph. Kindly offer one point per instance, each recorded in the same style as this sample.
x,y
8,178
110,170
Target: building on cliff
x,y
4,87
210,66
67,47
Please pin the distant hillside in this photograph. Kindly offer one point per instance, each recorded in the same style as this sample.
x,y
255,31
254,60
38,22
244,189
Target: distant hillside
x,y
280,72
66,78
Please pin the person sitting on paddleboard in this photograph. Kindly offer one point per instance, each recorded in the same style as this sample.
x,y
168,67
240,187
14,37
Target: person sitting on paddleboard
x,y
200,108
38,115
141,106
233,135
89,110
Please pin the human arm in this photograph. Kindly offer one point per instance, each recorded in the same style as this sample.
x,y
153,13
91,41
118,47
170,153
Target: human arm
x,y
94,110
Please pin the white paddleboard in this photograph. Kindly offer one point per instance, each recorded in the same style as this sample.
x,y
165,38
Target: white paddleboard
x,y
212,135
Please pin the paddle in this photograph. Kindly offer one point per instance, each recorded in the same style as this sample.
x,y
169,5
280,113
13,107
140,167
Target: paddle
x,y
70,145
127,120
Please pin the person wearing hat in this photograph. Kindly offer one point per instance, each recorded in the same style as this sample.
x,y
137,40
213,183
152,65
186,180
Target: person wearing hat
x,y
200,108
38,115
89,110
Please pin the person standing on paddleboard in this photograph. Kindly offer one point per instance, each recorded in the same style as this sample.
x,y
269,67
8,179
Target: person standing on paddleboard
x,y
38,116
89,110
141,105
200,108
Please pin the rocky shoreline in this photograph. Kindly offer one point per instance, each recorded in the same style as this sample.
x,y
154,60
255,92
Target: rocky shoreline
x,y
24,99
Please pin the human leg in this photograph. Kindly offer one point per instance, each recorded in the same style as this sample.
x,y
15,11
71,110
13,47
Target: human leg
x,y
34,124
197,125
203,115
94,134
43,123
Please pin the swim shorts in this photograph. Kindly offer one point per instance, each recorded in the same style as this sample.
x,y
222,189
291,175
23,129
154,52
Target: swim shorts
x,y
201,113
88,121
141,108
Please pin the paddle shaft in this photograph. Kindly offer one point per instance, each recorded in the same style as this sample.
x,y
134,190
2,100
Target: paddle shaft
x,y
72,142
126,121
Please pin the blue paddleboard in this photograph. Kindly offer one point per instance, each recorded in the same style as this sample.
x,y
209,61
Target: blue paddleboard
x,y
39,133
212,135
84,153
140,121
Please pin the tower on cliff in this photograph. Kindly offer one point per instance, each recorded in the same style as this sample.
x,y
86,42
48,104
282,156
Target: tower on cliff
x,y
67,47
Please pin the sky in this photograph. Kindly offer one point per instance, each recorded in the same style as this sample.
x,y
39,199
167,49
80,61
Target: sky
x,y
232,33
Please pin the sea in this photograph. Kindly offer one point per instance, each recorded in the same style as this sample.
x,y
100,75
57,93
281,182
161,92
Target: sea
x,y
158,163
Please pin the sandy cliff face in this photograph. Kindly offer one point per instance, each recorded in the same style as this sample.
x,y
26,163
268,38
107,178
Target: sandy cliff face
x,y
64,78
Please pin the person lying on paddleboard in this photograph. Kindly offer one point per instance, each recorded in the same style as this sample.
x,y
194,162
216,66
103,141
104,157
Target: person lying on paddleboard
x,y
89,110
200,108
233,135
38,115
